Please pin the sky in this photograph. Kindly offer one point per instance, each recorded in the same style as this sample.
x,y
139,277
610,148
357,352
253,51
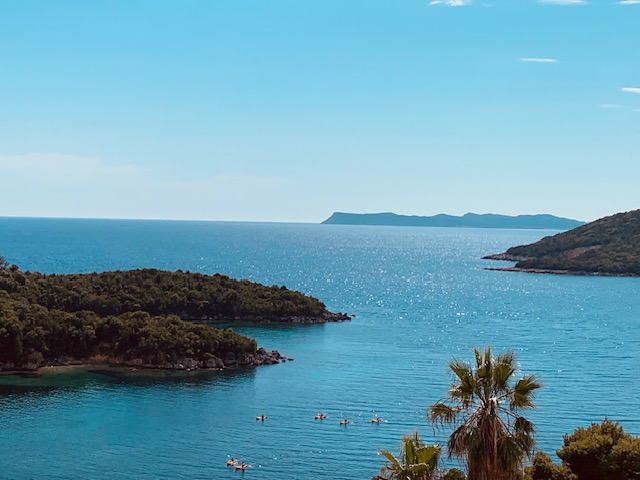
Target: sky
x,y
289,110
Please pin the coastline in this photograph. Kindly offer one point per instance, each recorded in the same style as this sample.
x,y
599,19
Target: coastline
x,y
260,358
561,272
326,317
506,257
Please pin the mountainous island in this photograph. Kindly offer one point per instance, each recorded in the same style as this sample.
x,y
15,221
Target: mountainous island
x,y
608,246
470,220
142,318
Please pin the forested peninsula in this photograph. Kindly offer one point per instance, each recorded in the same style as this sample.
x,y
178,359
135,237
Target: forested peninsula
x,y
140,318
608,246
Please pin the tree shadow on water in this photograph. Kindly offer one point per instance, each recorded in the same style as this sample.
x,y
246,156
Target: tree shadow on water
x,y
77,379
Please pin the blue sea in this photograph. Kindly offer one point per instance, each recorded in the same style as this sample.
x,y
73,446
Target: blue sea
x,y
420,297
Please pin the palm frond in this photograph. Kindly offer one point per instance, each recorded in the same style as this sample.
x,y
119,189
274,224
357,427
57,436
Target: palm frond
x,y
460,369
523,392
442,413
417,461
478,356
510,453
502,373
390,457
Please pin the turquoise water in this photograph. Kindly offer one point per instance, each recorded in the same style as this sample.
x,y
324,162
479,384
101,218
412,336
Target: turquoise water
x,y
420,296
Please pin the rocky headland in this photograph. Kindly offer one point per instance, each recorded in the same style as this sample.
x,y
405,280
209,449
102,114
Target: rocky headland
x,y
609,246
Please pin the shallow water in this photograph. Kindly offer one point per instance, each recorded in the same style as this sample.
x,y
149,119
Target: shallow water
x,y
420,297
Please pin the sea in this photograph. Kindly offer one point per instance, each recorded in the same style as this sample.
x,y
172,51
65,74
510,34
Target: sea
x,y
420,297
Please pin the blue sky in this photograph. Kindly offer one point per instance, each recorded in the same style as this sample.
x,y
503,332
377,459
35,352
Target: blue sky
x,y
288,110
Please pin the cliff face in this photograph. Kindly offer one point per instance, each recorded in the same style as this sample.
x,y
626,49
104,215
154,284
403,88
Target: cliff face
x,y
470,220
607,246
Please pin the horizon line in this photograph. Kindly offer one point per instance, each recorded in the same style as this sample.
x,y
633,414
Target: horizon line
x,y
320,222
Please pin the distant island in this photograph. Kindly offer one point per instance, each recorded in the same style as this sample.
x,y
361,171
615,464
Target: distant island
x,y
140,318
470,220
608,246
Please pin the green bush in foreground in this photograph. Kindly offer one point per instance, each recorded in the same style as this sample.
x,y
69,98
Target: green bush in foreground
x,y
544,469
602,450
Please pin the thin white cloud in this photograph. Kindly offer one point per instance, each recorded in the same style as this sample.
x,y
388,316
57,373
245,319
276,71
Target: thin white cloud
x,y
631,89
54,185
538,60
628,2
609,106
563,2
450,3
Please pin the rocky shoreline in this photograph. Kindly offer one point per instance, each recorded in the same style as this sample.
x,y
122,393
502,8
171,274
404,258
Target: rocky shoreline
x,y
326,317
261,357
562,272
505,257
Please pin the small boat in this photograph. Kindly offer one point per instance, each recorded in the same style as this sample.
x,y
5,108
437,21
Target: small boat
x,y
320,416
242,466
261,418
231,462
376,420
344,422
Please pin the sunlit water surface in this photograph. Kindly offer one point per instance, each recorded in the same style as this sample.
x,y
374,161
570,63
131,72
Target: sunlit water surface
x,y
420,296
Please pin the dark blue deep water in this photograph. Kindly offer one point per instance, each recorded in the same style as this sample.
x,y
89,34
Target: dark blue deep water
x,y
420,296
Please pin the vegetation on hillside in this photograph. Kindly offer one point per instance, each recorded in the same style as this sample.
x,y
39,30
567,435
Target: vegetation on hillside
x,y
137,317
610,245
601,451
187,295
31,335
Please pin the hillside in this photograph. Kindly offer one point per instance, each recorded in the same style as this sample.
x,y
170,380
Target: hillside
x,y
140,318
608,246
470,220
191,296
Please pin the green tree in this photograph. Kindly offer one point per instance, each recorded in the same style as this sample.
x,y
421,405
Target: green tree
x,y
602,450
543,468
417,461
485,405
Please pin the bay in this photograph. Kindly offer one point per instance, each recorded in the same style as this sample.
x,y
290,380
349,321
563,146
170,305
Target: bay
x,y
420,296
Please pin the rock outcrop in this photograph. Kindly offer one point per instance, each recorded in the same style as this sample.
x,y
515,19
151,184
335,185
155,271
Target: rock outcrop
x,y
261,357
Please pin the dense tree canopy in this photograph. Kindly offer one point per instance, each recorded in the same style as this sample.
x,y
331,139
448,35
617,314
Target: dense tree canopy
x,y
158,292
136,316
602,450
609,245
32,334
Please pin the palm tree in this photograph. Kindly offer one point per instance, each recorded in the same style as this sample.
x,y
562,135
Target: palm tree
x,y
484,405
417,461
